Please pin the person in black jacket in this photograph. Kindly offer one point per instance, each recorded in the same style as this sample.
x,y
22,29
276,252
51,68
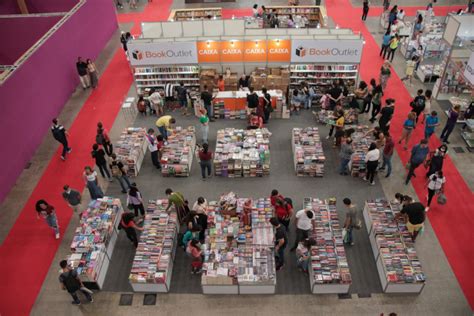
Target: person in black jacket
x,y
81,67
60,134
71,282
99,155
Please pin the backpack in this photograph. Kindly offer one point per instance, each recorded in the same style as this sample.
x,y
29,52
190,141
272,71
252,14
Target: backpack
x,y
57,133
100,139
71,283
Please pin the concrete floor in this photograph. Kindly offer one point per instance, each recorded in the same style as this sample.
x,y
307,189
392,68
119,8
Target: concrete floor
x,y
441,295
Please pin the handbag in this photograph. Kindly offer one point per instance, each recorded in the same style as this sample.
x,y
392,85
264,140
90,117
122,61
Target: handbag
x,y
441,198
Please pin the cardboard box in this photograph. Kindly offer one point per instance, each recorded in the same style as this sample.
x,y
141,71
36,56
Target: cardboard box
x,y
275,71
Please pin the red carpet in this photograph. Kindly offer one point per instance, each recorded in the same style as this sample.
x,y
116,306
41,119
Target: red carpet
x,y
453,222
28,251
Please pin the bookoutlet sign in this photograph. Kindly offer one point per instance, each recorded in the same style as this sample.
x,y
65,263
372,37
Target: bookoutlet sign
x,y
272,51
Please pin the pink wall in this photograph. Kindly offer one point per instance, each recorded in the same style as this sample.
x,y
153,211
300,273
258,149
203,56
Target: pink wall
x,y
19,34
37,6
38,90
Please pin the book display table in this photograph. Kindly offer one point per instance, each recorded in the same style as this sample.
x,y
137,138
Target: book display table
x,y
360,142
398,266
239,255
242,153
153,263
308,155
131,148
177,155
329,269
94,240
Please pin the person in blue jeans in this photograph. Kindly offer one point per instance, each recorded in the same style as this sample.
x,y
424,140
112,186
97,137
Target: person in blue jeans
x,y
418,156
281,240
450,123
70,282
303,254
351,221
430,123
345,155
387,154
48,212
205,157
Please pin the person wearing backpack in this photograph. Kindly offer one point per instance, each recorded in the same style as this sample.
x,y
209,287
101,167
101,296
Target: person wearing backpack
x,y
99,155
119,173
60,134
102,138
70,282
418,104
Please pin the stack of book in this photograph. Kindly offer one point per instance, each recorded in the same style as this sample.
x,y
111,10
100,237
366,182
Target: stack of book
x,y
220,112
94,239
308,154
328,258
242,153
177,155
153,262
131,148
360,143
401,264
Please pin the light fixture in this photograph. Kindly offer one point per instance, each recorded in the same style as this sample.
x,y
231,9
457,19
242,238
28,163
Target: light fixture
x,y
277,41
318,26
215,17
172,20
208,43
233,17
232,43
363,42
337,26
256,42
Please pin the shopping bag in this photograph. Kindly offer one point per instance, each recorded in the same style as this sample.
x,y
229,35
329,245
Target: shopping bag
x,y
344,235
84,289
442,199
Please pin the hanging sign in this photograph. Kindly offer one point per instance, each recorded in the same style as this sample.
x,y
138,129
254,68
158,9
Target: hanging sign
x,y
209,52
279,51
333,51
232,51
162,53
255,51
469,71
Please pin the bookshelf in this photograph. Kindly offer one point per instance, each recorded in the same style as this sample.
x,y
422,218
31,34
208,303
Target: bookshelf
x,y
242,153
308,155
94,240
398,265
160,76
313,15
131,149
239,258
322,76
153,262
329,269
177,155
195,14
453,82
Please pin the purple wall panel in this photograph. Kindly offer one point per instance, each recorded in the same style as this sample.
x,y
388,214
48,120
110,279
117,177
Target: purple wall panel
x,y
19,34
37,6
38,90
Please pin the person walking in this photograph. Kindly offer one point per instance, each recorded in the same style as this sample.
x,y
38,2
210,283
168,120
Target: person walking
x,y
437,160
281,240
394,42
127,223
430,124
386,115
164,125
48,212
350,222
410,69
183,94
124,39
72,197
418,156
206,97
153,145
450,123
71,283
205,161
92,183
377,95
372,160
60,134
135,201
282,209
99,155
303,254
387,154
345,155
385,72
93,73
365,9
304,226
267,104
177,200
408,127
119,172
418,104
414,214
81,67
102,138
435,186
385,43
204,121
427,110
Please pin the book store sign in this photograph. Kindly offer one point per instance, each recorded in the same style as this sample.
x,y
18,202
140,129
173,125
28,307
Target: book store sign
x,y
162,53
313,51
469,71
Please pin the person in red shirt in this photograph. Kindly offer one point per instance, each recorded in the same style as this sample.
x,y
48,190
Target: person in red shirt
x,y
194,250
387,154
283,209
128,224
221,83
205,157
49,214
255,121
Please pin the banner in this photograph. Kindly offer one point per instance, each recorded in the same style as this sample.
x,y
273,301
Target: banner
x,y
232,51
279,51
162,53
326,51
209,52
469,71
255,51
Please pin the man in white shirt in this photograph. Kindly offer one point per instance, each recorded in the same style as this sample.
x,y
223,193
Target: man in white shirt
x,y
153,147
156,102
303,226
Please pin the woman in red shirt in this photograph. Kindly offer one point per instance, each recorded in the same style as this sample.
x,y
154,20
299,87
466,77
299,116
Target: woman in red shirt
x,y
205,157
49,214
128,224
255,121
103,139
221,83
283,209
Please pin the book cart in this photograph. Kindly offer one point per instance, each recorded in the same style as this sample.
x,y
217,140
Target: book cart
x,y
398,266
153,262
94,240
131,149
329,269
239,256
308,155
177,155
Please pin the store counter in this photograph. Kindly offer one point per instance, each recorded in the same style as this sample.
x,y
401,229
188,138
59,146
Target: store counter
x,y
237,100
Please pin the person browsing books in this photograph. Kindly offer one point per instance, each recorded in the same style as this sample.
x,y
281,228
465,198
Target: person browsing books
x,y
70,282
164,125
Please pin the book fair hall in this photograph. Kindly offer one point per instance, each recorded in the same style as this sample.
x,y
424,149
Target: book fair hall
x,y
235,157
